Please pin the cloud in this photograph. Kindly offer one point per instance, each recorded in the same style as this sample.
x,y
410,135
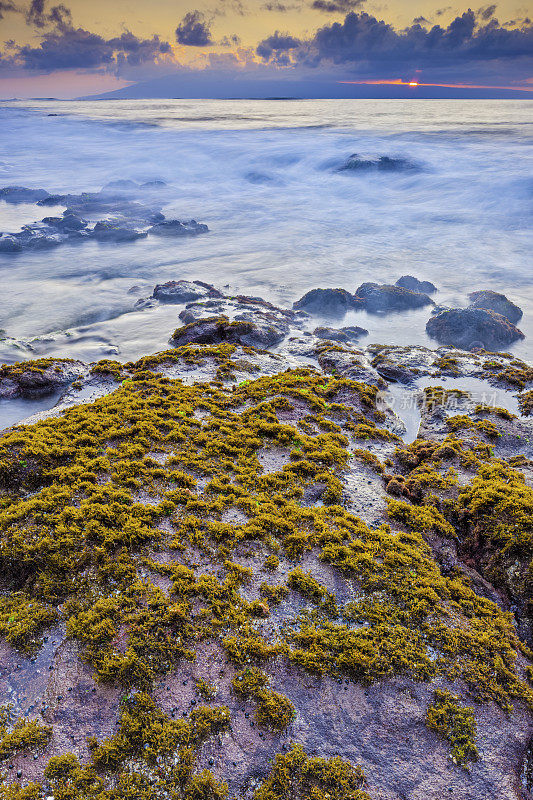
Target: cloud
x,y
364,42
281,8
486,12
420,21
230,41
336,6
193,30
275,48
5,7
58,15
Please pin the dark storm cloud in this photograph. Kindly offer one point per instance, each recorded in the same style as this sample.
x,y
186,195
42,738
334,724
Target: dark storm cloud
x,y
275,47
193,30
421,21
336,6
363,39
38,15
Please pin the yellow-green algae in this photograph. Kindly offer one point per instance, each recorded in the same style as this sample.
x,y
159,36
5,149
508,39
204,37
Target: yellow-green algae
x,y
92,499
455,723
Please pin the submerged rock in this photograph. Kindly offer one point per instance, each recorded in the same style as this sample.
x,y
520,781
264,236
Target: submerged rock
x,y
375,298
329,302
416,285
356,163
20,194
111,231
473,327
173,227
184,291
346,334
493,301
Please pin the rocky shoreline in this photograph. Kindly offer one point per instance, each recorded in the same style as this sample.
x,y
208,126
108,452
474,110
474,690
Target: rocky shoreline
x,y
231,570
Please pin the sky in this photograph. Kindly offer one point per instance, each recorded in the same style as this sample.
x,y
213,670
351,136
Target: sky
x,y
325,48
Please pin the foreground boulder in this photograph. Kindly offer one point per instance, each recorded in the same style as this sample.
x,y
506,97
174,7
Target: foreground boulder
x,y
184,291
493,301
214,330
416,285
384,298
329,302
227,578
473,327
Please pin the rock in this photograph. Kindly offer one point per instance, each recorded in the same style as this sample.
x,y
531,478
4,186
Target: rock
x,y
356,163
19,194
492,301
187,316
415,285
347,334
386,298
110,231
8,244
464,327
153,185
38,379
53,200
67,223
214,330
329,302
184,291
120,184
174,227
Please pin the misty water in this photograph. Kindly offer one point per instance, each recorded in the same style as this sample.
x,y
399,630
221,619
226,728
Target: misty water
x,y
263,176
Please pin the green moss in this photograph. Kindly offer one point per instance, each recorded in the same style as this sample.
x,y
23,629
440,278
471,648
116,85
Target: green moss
x,y
295,775
22,735
456,724
525,403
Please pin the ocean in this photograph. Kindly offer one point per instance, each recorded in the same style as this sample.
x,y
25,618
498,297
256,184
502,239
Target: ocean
x,y
264,176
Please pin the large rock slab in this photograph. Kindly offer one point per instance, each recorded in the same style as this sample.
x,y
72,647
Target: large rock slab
x,y
473,327
493,301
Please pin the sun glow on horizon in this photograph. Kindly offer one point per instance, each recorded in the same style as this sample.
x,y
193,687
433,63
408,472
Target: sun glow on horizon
x,y
400,82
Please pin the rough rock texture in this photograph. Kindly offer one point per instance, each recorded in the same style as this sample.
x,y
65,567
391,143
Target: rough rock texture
x,y
385,298
38,378
473,327
184,291
346,334
493,301
231,553
416,285
213,330
329,302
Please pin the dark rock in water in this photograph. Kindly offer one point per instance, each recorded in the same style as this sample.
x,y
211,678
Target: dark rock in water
x,y
385,298
8,244
42,242
109,231
214,330
174,227
184,291
415,285
38,379
19,194
467,327
121,184
329,302
356,163
153,185
66,223
53,200
187,316
347,334
493,301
